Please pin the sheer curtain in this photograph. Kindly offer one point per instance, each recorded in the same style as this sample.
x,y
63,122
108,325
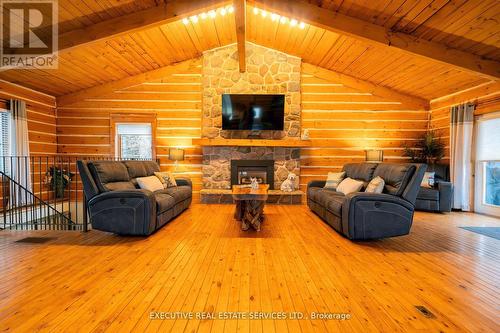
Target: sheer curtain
x,y
461,127
21,171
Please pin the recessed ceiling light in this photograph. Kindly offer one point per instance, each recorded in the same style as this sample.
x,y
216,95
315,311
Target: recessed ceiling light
x,y
194,19
230,9
293,22
203,16
185,21
263,13
256,11
223,11
212,13
283,20
274,17
302,25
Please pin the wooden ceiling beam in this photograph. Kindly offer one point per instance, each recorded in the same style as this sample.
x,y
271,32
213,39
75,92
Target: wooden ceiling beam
x,y
412,102
130,81
137,21
379,35
240,20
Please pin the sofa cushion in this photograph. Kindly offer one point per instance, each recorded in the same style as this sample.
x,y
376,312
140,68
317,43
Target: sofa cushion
x,y
120,186
151,167
151,183
442,171
334,204
376,185
350,185
135,169
333,179
141,168
166,178
105,172
428,194
316,193
428,180
361,171
164,202
179,193
313,193
396,176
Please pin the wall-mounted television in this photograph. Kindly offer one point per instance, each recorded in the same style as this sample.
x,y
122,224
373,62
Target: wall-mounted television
x,y
253,112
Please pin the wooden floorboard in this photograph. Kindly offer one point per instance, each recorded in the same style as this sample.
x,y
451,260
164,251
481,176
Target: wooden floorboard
x,y
203,263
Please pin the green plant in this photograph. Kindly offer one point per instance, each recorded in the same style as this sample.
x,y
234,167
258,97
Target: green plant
x,y
58,179
427,149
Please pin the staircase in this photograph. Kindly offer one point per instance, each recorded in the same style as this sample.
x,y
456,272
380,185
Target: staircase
x,y
21,209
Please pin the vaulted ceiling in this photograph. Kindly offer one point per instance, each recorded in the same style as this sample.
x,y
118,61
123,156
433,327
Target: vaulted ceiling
x,y
472,27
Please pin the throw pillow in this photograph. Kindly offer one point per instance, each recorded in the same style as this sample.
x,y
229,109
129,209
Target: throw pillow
x,y
333,180
151,183
166,178
349,185
428,180
376,185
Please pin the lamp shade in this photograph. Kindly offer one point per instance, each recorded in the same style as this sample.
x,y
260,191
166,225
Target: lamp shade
x,y
374,155
176,154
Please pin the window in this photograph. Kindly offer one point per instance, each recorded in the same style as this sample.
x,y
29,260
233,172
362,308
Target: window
x,y
5,144
487,187
134,141
133,135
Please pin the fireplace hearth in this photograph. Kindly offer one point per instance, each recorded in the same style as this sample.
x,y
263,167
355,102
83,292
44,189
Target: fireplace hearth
x,y
243,170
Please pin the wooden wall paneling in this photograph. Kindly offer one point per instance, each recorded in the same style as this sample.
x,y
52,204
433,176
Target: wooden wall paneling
x,y
394,97
486,96
128,82
41,117
84,127
344,122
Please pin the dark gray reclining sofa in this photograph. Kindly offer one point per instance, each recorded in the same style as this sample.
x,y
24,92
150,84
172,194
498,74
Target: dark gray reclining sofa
x,y
360,215
440,197
116,204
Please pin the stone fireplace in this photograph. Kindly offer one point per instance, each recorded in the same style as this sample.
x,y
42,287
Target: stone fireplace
x,y
242,171
217,164
267,72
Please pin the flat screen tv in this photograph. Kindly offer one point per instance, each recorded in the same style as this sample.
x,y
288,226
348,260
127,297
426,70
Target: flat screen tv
x,y
253,112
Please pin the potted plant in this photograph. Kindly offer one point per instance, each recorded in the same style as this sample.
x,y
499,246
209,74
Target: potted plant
x,y
58,179
428,149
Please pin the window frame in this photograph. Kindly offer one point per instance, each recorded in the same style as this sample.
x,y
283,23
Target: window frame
x,y
131,118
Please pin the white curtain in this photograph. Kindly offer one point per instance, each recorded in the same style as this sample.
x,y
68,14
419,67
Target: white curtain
x,y
461,127
21,171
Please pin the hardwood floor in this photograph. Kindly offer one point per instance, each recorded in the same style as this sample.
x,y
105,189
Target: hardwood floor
x,y
202,261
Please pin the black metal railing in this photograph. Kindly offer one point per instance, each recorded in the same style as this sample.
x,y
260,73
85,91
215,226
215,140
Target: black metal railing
x,y
29,183
23,210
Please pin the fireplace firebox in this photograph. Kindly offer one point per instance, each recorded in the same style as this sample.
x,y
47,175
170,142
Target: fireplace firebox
x,y
243,170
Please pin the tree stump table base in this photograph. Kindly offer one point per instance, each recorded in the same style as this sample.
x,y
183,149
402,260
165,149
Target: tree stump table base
x,y
250,213
250,205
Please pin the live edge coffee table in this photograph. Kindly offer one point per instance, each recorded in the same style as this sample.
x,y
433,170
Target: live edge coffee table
x,y
250,205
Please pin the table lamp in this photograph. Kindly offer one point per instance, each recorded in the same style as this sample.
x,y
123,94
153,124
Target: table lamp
x,y
176,154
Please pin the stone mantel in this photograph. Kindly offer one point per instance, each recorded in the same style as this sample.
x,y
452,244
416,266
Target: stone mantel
x,y
251,143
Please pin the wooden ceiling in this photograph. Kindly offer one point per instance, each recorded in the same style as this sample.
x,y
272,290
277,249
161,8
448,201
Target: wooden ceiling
x,y
471,26
468,25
